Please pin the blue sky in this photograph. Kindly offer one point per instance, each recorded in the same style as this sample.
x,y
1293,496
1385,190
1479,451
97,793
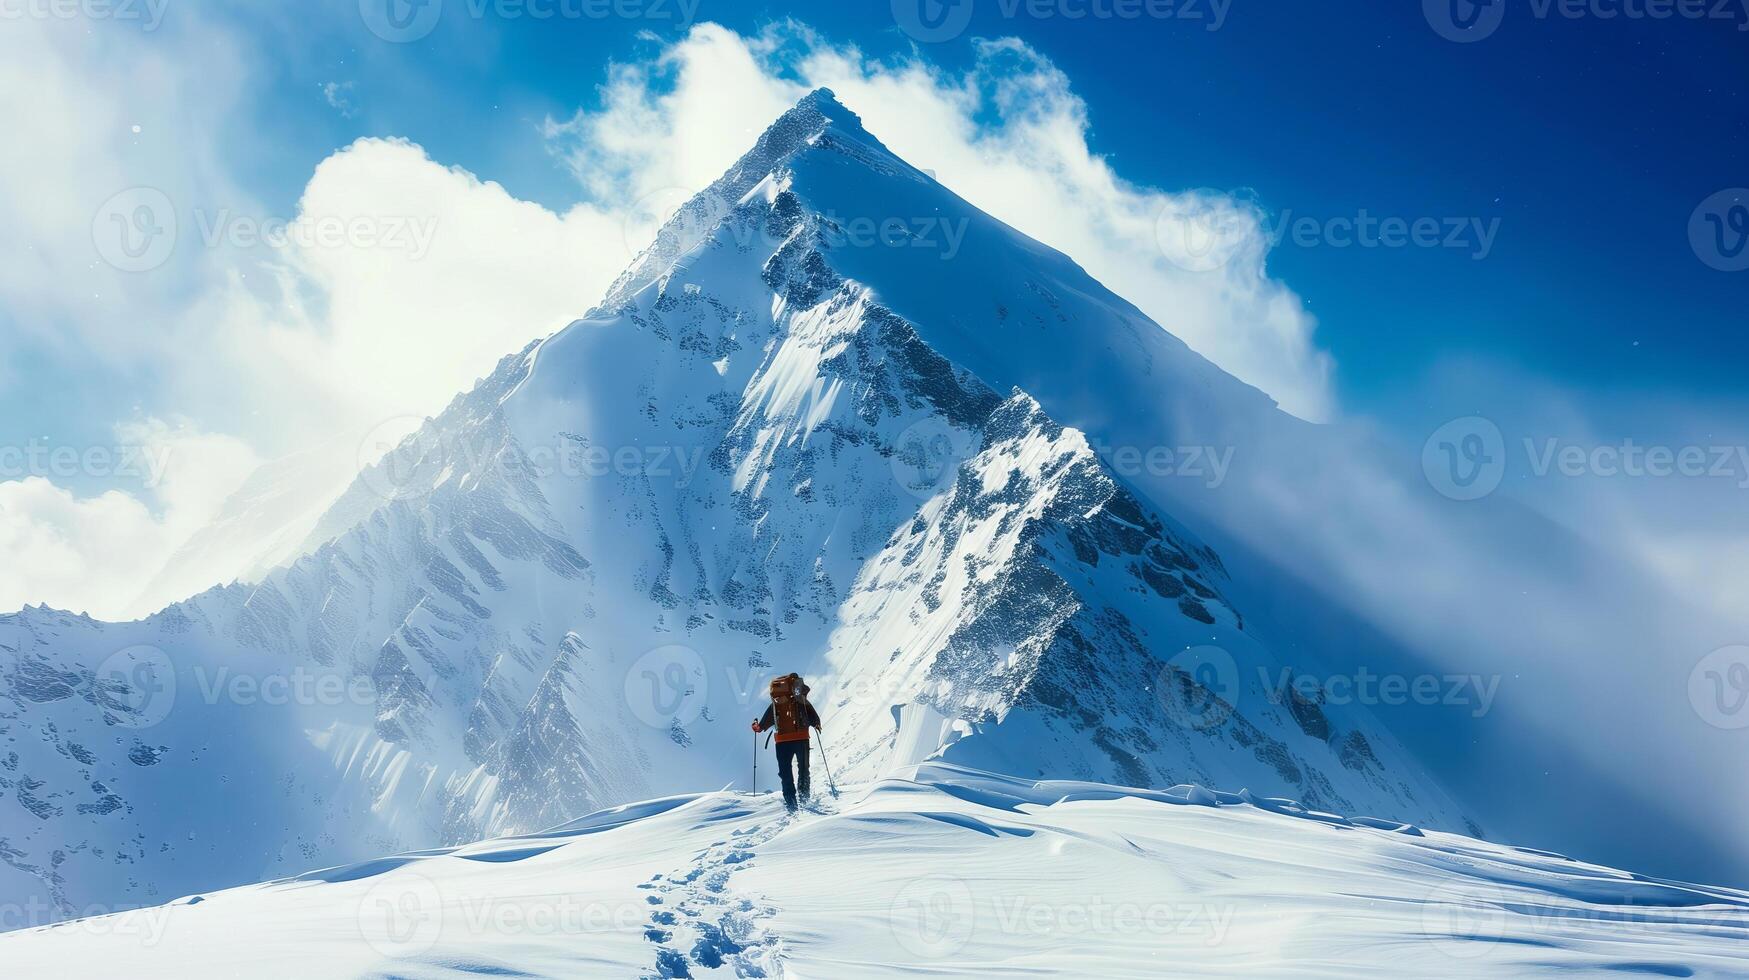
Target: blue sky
x,y
1565,159
1591,140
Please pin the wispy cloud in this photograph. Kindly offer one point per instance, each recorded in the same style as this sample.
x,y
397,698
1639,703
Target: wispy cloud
x,y
339,96
1009,134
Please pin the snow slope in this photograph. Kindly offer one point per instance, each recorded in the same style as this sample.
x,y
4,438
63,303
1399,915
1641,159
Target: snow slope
x,y
779,443
938,870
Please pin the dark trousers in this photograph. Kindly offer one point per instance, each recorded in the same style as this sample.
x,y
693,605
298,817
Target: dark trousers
x,y
798,753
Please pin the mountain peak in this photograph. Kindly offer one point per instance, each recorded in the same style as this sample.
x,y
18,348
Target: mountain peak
x,y
823,100
802,125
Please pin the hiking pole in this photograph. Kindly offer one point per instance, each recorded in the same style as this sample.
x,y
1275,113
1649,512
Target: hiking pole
x,y
830,783
755,762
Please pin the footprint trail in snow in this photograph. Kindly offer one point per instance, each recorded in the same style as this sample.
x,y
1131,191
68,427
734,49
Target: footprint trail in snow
x,y
698,926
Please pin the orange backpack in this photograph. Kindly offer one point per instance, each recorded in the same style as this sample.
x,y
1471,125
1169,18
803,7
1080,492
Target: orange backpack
x,y
789,703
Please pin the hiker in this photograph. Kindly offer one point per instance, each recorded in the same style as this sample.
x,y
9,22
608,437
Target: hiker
x,y
792,716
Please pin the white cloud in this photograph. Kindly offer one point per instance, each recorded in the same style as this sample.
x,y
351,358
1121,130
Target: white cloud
x,y
94,554
430,277
395,284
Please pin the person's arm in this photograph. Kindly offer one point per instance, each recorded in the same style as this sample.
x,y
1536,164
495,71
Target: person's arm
x,y
813,717
767,721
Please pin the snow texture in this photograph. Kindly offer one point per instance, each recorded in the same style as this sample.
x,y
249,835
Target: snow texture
x,y
936,870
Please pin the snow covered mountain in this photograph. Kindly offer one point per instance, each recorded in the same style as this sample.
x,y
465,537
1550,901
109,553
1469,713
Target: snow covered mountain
x,y
834,420
957,873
